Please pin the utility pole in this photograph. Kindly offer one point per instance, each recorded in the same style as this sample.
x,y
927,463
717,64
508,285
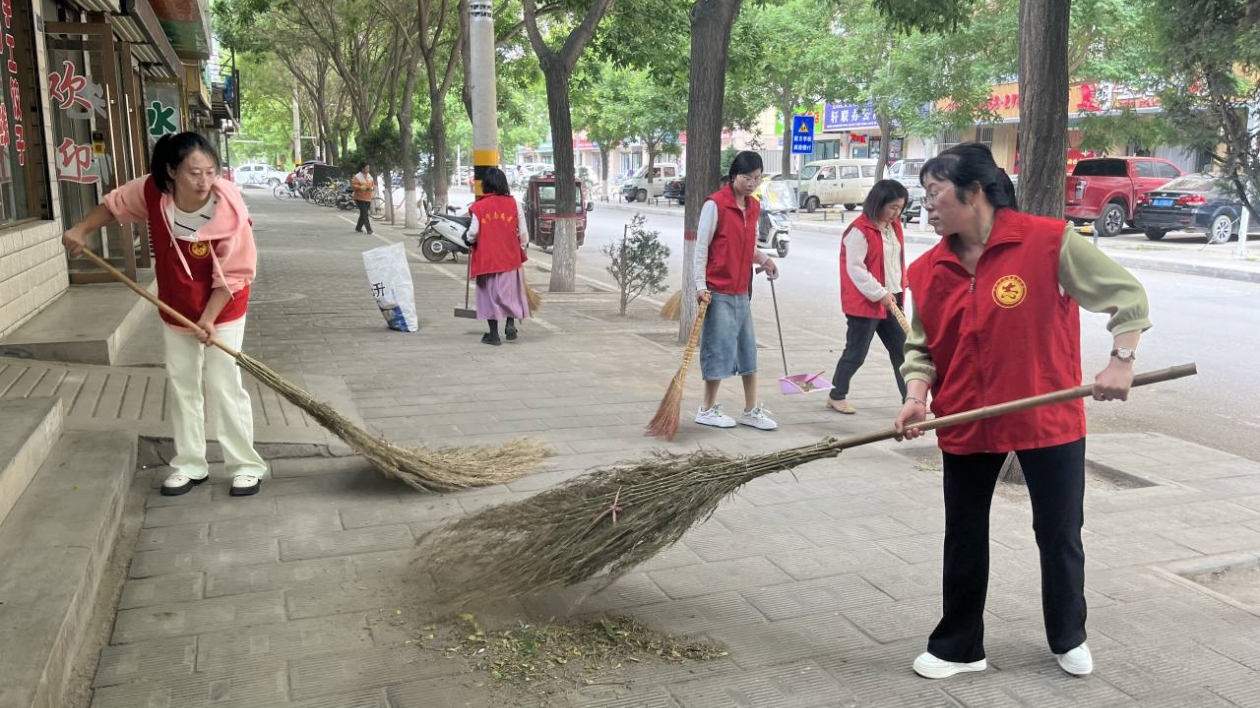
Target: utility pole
x,y
485,153
297,130
1244,221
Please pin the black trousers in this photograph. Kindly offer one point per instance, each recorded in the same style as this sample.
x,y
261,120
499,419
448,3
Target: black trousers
x,y
857,342
364,220
1056,484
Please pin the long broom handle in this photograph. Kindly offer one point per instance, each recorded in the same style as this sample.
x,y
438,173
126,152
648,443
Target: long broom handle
x,y
1067,394
122,278
694,339
782,349
900,316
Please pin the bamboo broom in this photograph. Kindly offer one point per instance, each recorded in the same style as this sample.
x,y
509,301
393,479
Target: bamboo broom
x,y
616,518
428,470
672,309
532,298
665,423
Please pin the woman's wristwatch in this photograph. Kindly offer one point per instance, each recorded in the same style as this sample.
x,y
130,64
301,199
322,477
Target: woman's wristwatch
x,y
1124,354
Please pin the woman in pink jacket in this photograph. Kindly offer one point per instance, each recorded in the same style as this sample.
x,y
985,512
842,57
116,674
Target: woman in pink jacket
x,y
204,259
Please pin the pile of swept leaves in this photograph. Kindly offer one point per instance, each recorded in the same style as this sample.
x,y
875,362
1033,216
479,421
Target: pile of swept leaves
x,y
570,649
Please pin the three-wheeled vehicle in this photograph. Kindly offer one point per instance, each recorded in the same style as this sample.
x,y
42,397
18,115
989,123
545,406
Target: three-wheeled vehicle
x,y
540,210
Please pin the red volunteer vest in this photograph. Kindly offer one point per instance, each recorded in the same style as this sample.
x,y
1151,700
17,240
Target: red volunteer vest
x,y
729,270
1007,333
188,294
498,246
852,301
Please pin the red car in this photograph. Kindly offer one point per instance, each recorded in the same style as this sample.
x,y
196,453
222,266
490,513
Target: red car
x,y
1105,190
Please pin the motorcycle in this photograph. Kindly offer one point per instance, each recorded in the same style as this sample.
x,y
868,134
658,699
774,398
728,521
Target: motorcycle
x,y
445,234
774,231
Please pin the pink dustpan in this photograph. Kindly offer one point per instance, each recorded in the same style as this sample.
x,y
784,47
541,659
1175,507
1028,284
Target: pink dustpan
x,y
804,383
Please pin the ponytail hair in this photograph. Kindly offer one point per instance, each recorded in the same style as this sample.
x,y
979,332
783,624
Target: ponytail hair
x,y
972,170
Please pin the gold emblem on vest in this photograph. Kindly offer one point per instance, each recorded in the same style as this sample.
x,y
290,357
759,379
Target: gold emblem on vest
x,y
1009,291
199,249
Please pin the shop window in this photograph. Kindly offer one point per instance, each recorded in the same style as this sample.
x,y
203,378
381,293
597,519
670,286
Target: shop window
x,y
23,173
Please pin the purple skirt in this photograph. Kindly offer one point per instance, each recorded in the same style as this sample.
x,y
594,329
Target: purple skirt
x,y
502,295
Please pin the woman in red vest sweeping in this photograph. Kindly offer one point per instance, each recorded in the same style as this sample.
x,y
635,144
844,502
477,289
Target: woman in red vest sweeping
x,y
726,249
204,259
997,317
499,241
872,278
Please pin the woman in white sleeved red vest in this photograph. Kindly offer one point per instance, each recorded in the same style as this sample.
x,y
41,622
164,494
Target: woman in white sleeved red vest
x,y
205,260
499,241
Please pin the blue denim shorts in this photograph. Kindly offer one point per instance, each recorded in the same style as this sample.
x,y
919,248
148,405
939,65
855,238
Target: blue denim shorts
x,y
728,344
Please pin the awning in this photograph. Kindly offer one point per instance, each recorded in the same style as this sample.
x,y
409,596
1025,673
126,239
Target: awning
x,y
139,26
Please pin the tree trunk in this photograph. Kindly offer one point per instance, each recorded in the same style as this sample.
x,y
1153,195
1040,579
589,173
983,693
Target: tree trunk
x,y
1043,116
564,248
605,153
785,163
437,133
711,22
885,144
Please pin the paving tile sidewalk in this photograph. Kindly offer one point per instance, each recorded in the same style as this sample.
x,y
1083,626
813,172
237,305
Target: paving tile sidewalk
x,y
823,584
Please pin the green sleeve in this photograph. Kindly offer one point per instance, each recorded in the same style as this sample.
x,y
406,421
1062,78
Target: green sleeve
x,y
1099,284
918,365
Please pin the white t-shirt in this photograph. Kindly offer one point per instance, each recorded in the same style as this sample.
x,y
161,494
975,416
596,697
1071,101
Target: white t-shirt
x,y
184,225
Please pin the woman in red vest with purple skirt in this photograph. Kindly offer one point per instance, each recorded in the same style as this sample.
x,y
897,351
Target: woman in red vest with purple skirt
x,y
499,241
726,249
204,260
872,277
997,317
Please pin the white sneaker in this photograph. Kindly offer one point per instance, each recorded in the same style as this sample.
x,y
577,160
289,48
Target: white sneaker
x,y
1078,662
179,483
714,417
244,485
928,666
758,418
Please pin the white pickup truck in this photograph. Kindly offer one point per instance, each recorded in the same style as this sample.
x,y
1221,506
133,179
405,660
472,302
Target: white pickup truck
x,y
259,173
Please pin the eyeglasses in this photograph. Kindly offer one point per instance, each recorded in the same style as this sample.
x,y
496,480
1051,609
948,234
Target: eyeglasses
x,y
748,178
929,198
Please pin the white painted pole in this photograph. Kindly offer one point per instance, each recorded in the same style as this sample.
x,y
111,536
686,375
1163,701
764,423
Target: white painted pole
x,y
1244,221
484,96
297,130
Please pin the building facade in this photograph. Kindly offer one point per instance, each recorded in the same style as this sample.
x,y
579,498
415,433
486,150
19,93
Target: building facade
x,y
86,88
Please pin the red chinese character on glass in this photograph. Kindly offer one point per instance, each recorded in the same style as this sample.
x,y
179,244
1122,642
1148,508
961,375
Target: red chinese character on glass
x,y
15,94
7,6
4,126
74,163
8,42
20,143
67,88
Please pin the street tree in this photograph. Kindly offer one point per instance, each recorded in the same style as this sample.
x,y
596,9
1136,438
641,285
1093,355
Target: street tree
x,y
1043,84
653,115
1212,88
638,263
900,75
600,109
557,64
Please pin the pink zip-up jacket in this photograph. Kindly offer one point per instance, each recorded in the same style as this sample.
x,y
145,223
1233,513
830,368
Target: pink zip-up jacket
x,y
230,232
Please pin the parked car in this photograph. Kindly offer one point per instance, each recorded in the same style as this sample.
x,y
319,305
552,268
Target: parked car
x,y
829,182
1197,202
676,190
907,173
259,173
639,188
1105,190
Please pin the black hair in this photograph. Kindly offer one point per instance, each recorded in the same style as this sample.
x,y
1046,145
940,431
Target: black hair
x,y
362,165
171,151
972,169
883,193
744,163
495,182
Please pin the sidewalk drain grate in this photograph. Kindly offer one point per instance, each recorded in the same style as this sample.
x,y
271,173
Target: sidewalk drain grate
x,y
1238,581
1097,475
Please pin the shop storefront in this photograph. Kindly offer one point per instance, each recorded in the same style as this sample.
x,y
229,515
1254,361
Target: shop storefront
x,y
73,124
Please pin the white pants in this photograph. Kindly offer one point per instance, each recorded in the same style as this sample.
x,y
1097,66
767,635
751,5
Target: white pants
x,y
230,411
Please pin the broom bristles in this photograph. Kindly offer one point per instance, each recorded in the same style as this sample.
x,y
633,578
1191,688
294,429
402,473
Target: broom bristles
x,y
570,533
672,309
425,469
665,423
533,298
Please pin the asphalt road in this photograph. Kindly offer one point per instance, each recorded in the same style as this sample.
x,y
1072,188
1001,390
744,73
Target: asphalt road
x,y
1205,320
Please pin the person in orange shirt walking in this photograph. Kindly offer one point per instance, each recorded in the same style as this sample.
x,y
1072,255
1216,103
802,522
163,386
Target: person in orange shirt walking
x,y
364,187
